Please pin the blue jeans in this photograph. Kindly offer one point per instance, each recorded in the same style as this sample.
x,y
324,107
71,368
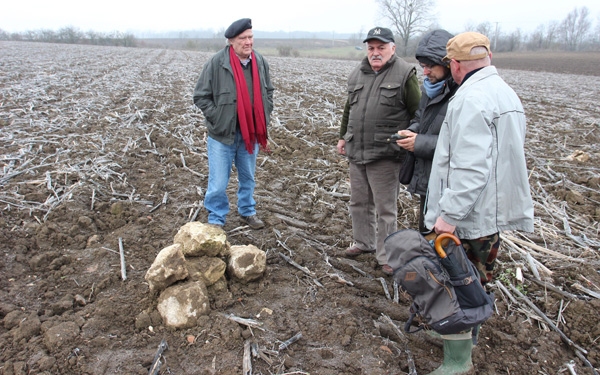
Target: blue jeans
x,y
221,157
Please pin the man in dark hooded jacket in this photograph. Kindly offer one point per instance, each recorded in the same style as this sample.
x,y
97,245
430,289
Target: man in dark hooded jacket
x,y
422,133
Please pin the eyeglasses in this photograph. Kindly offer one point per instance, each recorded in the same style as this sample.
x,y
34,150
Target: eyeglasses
x,y
426,66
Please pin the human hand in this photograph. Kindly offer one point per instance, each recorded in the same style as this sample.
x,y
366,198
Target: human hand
x,y
441,226
341,147
408,142
266,149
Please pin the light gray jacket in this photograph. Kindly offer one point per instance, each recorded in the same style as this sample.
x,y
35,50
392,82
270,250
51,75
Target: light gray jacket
x,y
479,179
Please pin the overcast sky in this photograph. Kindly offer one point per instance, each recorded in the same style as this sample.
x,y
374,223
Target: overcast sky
x,y
347,16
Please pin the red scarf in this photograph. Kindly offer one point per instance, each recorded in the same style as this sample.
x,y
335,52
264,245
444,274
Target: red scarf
x,y
251,118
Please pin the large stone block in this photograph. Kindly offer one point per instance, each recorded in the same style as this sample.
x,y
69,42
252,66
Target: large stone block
x,y
206,269
246,263
182,305
167,268
198,239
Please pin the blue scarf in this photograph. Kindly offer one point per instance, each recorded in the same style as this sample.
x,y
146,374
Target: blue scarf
x,y
433,89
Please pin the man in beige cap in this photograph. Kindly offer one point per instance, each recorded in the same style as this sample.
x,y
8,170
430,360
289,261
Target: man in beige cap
x,y
478,185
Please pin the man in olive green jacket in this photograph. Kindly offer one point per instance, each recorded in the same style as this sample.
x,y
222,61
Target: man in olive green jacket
x,y
383,96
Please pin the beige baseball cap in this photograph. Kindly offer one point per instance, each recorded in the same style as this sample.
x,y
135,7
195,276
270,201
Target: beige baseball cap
x,y
459,47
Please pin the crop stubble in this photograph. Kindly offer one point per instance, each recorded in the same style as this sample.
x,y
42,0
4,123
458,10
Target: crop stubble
x,y
94,139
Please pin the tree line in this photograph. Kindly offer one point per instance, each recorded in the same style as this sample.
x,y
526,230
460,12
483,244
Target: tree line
x,y
72,35
409,19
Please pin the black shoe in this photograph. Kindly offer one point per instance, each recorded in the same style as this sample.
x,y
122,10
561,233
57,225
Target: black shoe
x,y
253,222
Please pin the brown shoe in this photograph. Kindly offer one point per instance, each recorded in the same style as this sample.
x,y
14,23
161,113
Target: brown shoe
x,y
253,222
354,251
386,269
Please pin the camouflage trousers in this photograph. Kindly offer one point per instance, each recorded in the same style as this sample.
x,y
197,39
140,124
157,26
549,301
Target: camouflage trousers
x,y
482,252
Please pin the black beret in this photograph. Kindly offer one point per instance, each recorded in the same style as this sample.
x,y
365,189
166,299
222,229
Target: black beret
x,y
238,27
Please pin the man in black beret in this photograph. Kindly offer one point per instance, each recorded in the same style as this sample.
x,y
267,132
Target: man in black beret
x,y
238,27
235,94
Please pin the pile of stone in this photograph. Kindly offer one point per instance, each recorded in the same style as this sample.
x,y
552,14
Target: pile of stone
x,y
199,257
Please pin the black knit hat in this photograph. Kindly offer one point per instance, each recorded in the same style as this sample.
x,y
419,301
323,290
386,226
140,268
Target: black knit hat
x,y
432,47
238,27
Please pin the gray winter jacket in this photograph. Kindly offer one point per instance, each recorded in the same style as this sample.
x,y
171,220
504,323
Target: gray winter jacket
x,y
479,180
215,94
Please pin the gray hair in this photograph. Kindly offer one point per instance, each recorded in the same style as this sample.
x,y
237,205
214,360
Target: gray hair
x,y
392,43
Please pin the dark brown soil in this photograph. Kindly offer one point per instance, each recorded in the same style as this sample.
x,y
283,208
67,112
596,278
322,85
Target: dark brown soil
x,y
92,139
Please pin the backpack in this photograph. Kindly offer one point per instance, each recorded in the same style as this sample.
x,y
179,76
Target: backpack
x,y
446,292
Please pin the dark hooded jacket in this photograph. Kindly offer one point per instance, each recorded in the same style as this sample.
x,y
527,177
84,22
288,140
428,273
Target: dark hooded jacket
x,y
433,46
430,115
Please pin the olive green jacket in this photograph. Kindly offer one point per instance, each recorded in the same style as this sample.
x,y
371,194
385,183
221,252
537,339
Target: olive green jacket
x,y
379,105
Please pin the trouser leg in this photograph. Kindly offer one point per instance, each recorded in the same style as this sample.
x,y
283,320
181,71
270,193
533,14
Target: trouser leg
x,y
482,252
362,208
374,204
220,159
245,164
383,178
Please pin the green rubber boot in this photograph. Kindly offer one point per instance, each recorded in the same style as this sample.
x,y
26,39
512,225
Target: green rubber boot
x,y
457,356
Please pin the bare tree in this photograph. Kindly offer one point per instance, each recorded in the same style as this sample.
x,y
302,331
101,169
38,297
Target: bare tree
x,y
47,36
92,36
356,38
575,27
69,35
596,37
486,29
551,34
407,17
514,40
536,39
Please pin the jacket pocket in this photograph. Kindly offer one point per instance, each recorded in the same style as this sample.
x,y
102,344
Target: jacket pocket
x,y
354,94
225,113
384,137
389,94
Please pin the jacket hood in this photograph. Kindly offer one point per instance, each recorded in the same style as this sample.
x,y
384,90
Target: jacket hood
x,y
432,46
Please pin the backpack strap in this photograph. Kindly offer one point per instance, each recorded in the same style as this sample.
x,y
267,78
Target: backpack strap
x,y
464,281
411,317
